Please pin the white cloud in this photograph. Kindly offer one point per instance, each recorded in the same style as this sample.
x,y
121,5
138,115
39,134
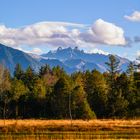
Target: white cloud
x,y
138,53
62,34
103,32
96,50
135,16
38,34
64,24
37,51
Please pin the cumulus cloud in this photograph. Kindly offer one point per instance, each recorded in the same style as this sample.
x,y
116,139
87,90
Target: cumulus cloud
x,y
63,34
103,32
52,33
135,16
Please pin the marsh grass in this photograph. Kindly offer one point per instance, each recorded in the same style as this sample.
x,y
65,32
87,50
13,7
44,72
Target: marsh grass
x,y
70,136
65,125
62,129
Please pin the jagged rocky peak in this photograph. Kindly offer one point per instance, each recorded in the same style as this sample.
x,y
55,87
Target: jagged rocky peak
x,y
71,59
68,49
59,48
76,48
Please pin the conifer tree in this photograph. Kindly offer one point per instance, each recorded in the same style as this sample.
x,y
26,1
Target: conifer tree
x,y
116,101
5,87
60,98
96,89
18,89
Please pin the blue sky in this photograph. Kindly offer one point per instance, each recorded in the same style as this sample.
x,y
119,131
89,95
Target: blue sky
x,y
16,14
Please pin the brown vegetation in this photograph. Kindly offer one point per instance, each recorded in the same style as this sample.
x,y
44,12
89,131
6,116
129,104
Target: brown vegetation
x,y
33,126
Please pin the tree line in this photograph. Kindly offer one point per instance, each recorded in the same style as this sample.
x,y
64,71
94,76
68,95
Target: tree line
x,y
53,94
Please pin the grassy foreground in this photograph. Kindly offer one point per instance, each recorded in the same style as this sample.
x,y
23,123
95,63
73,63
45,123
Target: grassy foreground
x,y
39,126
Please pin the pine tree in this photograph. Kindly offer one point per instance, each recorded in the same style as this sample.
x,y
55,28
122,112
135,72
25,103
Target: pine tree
x,y
80,105
5,87
96,89
44,70
117,104
60,98
18,89
18,73
130,72
113,69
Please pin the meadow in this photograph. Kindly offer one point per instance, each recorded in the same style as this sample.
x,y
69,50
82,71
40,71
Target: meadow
x,y
67,129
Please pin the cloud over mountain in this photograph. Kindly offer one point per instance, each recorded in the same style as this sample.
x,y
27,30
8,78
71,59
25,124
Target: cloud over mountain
x,y
63,34
103,32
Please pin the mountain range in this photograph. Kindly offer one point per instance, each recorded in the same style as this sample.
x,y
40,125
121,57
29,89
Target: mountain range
x,y
71,59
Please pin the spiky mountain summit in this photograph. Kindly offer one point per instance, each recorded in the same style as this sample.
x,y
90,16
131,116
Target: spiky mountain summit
x,y
71,59
79,60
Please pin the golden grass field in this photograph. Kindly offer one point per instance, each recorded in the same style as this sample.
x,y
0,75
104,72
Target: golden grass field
x,y
67,130
68,125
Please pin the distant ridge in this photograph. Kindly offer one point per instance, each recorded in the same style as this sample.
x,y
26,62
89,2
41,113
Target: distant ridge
x,y
9,57
79,60
71,59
